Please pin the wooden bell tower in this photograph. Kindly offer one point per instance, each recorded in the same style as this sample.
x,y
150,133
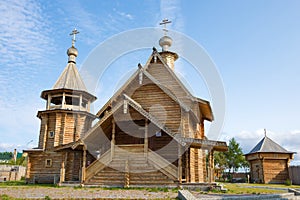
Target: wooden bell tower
x,y
67,115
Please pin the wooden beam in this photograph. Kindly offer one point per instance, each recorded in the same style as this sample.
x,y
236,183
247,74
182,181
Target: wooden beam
x,y
63,168
63,103
49,102
146,138
210,166
187,167
80,102
113,140
83,169
179,163
45,121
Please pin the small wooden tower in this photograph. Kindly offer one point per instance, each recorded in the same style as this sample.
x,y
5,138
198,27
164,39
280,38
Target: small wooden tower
x,y
269,162
65,120
67,116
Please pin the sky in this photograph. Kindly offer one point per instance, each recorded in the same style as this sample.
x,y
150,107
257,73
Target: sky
x,y
254,44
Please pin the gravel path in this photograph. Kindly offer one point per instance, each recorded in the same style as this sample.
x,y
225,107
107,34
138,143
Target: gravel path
x,y
26,192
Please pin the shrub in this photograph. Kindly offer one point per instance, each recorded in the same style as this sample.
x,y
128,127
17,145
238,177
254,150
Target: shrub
x,y
288,182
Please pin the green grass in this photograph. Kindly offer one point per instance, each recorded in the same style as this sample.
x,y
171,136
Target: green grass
x,y
244,188
6,197
22,183
12,183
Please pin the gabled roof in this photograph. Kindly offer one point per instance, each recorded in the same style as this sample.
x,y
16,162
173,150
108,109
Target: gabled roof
x,y
70,79
266,145
203,105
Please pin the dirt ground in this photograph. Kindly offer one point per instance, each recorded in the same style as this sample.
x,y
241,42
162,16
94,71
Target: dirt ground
x,y
25,192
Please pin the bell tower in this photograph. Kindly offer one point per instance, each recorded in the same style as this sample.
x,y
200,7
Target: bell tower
x,y
67,115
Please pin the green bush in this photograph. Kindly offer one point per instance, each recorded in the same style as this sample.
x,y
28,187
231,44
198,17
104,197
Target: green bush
x,y
288,182
47,198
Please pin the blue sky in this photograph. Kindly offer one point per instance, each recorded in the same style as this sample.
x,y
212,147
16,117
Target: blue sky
x,y
254,44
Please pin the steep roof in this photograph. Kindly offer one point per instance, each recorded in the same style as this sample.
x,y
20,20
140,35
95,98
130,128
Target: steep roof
x,y
184,99
70,79
266,145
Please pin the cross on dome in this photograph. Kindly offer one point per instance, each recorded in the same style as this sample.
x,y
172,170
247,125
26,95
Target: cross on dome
x,y
74,33
164,23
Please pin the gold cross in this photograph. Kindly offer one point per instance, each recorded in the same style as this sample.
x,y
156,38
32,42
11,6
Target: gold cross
x,y
74,32
165,22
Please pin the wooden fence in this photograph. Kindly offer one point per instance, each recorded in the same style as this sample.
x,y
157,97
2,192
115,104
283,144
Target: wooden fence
x,y
294,172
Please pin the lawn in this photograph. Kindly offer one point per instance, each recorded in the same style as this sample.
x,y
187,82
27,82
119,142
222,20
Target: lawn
x,y
245,188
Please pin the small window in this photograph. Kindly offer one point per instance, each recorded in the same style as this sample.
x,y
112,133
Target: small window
x,y
51,134
48,163
158,133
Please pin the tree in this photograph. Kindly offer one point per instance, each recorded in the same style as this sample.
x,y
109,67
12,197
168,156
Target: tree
x,y
232,160
234,156
220,162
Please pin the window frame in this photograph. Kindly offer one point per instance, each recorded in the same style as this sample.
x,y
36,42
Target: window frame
x,y
50,162
51,134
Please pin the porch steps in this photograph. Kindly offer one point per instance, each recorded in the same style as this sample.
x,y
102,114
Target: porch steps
x,y
139,172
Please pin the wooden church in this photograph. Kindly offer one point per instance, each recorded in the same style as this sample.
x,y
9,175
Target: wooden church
x,y
269,162
149,133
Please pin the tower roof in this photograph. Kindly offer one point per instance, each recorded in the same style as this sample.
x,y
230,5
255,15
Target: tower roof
x,y
266,145
70,79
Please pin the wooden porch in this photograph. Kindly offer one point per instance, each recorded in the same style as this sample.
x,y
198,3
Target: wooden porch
x,y
130,165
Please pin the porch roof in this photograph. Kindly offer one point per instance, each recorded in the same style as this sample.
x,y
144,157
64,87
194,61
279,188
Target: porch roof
x,y
206,144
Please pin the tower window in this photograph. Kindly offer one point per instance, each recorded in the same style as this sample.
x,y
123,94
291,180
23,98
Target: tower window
x,y
56,100
72,101
48,163
51,134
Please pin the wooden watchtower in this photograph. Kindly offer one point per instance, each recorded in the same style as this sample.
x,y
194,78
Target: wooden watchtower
x,y
65,120
269,162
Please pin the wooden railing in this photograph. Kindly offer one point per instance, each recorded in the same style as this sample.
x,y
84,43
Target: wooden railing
x,y
98,165
162,165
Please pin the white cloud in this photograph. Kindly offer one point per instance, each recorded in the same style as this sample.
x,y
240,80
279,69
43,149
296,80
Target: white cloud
x,y
123,14
96,26
24,40
24,33
25,44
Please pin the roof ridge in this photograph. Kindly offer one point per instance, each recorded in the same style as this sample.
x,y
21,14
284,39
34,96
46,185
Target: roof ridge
x,y
263,143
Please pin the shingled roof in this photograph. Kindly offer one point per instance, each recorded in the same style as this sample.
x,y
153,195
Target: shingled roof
x,y
70,79
266,145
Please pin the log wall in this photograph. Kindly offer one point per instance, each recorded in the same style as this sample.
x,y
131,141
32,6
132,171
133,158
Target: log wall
x,y
38,172
160,105
67,128
269,167
197,159
159,72
275,171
